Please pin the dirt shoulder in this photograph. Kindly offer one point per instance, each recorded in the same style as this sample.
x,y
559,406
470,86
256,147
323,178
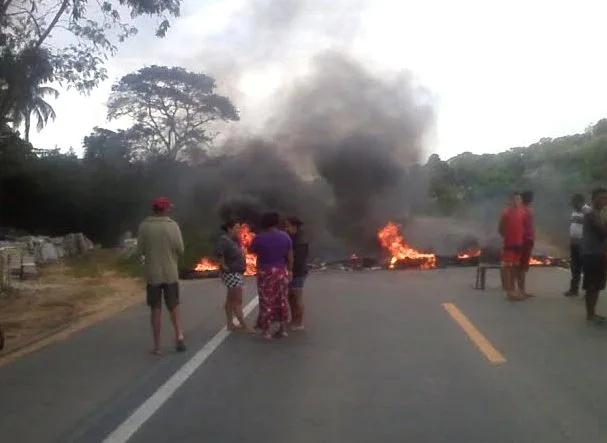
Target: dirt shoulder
x,y
67,297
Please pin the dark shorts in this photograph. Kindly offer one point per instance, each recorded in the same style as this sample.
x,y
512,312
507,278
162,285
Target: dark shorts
x,y
170,291
595,272
297,282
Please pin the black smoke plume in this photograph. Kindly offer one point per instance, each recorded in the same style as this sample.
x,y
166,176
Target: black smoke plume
x,y
336,144
337,154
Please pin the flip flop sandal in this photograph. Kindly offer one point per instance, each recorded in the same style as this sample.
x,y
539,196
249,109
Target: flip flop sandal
x,y
180,346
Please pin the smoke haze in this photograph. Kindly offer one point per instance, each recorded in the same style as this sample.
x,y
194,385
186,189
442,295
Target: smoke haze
x,y
335,142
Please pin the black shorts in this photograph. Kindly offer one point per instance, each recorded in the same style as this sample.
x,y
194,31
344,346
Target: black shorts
x,y
595,272
156,292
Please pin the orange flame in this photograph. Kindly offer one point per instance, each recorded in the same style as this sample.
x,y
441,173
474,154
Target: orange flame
x,y
394,242
470,253
205,264
245,238
534,261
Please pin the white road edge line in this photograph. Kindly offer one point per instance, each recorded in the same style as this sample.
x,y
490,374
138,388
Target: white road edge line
x,y
142,414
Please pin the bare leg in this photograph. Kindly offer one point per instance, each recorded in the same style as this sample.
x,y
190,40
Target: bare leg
x,y
176,320
229,310
522,282
301,307
156,320
235,297
511,277
292,306
298,309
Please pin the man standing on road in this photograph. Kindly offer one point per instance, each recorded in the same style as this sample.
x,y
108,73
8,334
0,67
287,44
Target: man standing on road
x,y
300,271
576,231
594,261
528,242
511,228
161,244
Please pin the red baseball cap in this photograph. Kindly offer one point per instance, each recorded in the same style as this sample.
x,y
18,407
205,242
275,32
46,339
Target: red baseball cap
x,y
162,203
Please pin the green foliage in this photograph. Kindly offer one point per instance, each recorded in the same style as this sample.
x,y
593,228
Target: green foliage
x,y
28,59
21,74
198,243
475,186
172,109
33,103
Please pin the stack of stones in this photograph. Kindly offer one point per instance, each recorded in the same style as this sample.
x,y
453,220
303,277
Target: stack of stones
x,y
22,256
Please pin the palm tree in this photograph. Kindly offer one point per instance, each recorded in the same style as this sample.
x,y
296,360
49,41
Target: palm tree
x,y
32,103
21,75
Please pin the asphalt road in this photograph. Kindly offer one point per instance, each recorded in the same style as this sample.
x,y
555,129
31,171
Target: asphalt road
x,y
387,357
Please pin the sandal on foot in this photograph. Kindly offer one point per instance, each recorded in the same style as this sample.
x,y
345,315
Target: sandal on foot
x,y
180,345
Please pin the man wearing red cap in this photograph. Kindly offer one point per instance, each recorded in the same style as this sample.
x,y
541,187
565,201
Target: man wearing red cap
x,y
160,242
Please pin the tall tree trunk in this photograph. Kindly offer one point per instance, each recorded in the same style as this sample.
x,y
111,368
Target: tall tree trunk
x,y
28,121
53,23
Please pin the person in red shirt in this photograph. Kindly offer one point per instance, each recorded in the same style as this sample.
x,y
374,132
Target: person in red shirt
x,y
528,241
512,230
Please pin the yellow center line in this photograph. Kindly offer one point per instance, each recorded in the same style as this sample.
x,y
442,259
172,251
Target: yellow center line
x,y
492,354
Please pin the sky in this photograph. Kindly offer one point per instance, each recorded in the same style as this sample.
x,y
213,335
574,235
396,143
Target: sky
x,y
502,74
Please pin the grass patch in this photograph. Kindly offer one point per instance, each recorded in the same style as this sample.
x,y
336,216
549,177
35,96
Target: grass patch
x,y
99,262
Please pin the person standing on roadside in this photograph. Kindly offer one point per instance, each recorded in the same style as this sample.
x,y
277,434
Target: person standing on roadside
x,y
576,231
293,226
594,261
233,265
160,242
511,228
528,242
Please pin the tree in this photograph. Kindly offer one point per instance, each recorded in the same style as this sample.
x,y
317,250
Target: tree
x,y
34,103
20,75
107,147
172,109
600,128
444,189
26,27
